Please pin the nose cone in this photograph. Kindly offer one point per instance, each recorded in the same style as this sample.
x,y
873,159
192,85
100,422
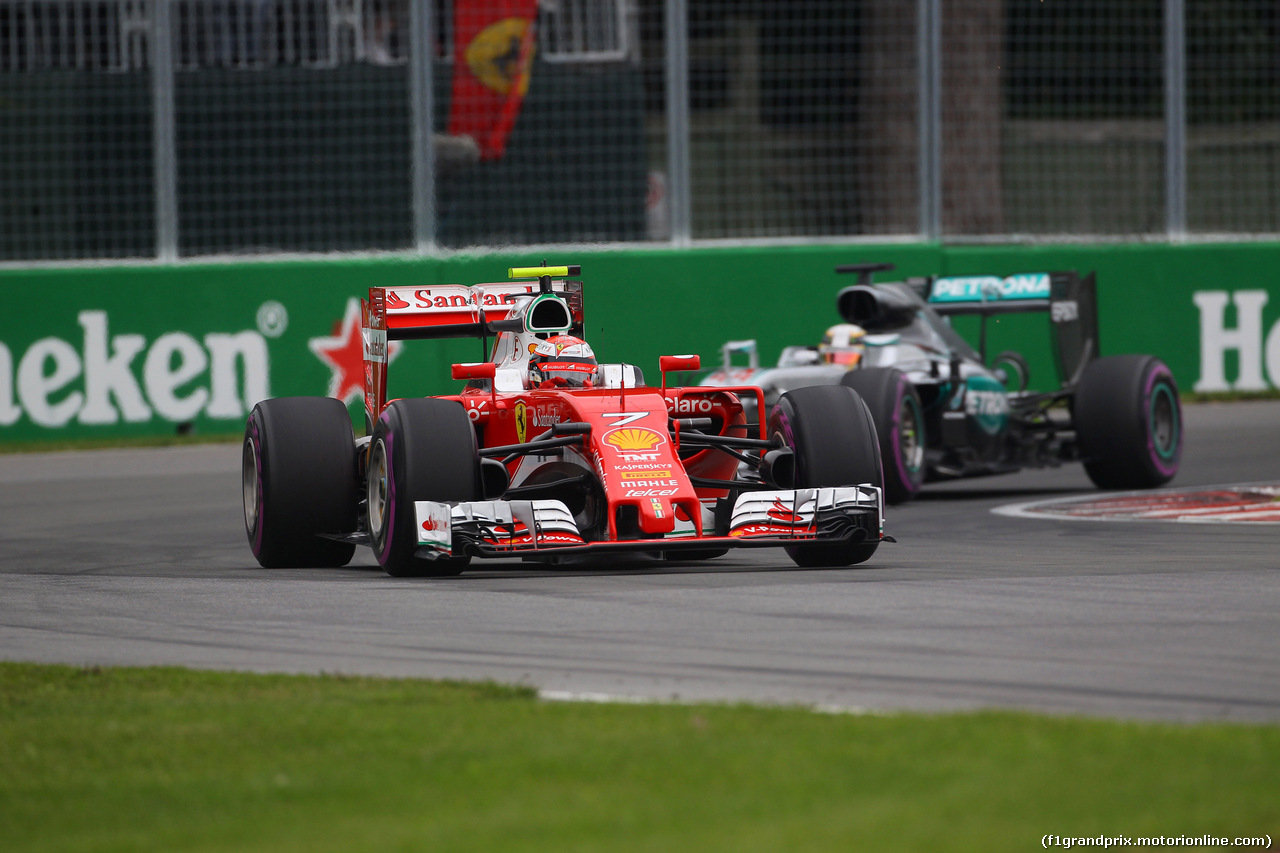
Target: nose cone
x,y
656,516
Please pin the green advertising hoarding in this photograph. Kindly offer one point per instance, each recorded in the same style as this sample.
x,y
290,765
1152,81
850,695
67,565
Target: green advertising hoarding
x,y
104,352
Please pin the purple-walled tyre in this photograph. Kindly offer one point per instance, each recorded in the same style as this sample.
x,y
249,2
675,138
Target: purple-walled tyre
x,y
298,477
421,450
830,430
1128,422
899,419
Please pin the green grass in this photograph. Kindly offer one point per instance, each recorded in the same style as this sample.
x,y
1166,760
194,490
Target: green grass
x,y
168,759
1229,396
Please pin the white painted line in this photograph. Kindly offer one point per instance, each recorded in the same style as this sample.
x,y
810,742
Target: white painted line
x,y
621,699
604,698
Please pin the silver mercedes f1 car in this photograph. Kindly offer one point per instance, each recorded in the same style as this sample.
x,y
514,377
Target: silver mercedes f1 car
x,y
943,409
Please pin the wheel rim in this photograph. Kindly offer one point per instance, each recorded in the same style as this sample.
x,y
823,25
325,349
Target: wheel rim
x,y
378,489
1163,418
911,449
778,437
251,485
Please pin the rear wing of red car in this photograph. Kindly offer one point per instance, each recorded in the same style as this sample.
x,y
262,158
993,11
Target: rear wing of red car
x,y
454,311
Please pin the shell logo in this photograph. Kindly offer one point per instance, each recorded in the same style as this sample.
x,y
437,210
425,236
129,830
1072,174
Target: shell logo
x,y
633,438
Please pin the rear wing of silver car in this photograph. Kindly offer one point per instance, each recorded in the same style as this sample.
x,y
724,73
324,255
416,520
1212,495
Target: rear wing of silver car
x,y
1069,298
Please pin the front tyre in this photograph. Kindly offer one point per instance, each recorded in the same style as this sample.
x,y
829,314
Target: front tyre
x,y
833,436
1128,422
421,450
899,419
298,477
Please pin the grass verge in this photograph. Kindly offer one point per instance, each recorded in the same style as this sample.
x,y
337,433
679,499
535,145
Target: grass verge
x,y
170,759
1229,396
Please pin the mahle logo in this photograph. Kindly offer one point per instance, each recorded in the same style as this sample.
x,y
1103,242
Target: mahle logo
x,y
127,378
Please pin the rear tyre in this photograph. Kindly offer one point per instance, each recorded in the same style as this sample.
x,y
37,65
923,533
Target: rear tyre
x,y
1012,371
899,419
421,450
1128,422
833,436
298,477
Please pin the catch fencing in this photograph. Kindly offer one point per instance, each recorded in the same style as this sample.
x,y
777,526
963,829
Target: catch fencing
x,y
179,129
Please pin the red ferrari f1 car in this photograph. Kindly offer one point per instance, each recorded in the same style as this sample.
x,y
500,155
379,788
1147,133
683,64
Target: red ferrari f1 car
x,y
547,454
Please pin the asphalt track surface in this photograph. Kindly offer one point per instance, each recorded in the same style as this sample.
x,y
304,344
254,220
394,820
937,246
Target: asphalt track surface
x,y
139,557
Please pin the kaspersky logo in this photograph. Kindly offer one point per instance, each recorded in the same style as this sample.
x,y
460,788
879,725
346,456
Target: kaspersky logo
x,y
343,352
107,379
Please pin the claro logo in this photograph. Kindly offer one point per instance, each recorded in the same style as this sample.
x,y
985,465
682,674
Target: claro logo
x,y
1255,346
221,375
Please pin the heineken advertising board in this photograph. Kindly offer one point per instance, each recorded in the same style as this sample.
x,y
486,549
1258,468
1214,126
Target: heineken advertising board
x,y
153,351
103,352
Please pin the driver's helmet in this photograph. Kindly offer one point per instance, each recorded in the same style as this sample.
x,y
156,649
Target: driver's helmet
x,y
562,361
842,344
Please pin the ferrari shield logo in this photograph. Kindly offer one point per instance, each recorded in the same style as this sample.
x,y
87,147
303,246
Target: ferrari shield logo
x,y
522,422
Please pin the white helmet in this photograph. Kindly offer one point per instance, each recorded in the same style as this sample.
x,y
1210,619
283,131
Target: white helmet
x,y
562,360
842,344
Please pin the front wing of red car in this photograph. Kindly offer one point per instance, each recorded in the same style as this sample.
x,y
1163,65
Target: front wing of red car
x,y
546,528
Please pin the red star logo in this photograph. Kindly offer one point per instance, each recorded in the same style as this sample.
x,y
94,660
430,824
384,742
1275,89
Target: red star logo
x,y
344,353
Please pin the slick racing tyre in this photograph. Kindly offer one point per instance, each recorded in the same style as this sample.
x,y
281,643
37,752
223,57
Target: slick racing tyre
x,y
895,409
1012,370
298,472
833,436
421,450
1128,422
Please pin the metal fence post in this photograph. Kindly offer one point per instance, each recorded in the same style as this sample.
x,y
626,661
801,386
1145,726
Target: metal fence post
x,y
421,113
1175,119
929,105
679,173
163,133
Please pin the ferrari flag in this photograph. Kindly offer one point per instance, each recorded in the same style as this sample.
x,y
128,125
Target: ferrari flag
x,y
492,61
